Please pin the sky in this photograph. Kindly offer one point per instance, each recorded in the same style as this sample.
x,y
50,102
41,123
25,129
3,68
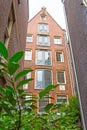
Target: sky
x,y
54,8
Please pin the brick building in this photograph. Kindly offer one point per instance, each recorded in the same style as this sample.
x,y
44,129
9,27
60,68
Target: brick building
x,y
13,24
76,18
46,54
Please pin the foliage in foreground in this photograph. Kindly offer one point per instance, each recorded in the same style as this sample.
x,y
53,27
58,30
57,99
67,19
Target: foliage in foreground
x,y
20,114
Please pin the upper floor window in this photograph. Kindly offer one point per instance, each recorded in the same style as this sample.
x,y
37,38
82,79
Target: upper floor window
x,y
43,28
28,55
43,17
57,40
61,78
59,57
43,57
43,40
62,99
29,38
43,78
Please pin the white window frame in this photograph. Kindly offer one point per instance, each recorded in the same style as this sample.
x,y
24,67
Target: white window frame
x,y
57,40
43,30
42,60
42,42
29,38
62,56
42,78
64,77
28,56
63,97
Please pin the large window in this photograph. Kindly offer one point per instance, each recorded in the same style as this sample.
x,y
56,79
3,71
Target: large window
x,y
43,28
43,78
43,57
61,99
43,40
57,40
59,57
28,55
29,38
61,78
42,103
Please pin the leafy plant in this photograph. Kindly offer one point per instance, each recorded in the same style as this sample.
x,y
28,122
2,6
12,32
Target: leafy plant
x,y
20,114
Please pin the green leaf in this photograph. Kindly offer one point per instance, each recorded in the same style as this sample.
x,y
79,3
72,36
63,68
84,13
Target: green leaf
x,y
21,83
22,73
3,50
48,107
12,67
16,57
46,90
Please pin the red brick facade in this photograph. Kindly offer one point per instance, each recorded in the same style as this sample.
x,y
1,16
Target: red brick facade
x,y
54,30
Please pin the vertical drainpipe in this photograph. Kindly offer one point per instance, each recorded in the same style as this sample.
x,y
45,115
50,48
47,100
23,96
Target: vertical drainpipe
x,y
81,109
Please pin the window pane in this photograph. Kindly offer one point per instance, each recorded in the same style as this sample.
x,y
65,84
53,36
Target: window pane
x,y
59,56
28,55
61,77
57,40
43,40
29,38
43,78
43,28
61,99
43,57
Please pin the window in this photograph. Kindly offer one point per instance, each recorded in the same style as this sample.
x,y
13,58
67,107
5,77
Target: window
x,y
61,77
62,87
28,55
43,17
10,23
43,28
27,76
29,38
42,103
59,57
43,40
43,78
25,86
43,57
61,99
57,40
85,2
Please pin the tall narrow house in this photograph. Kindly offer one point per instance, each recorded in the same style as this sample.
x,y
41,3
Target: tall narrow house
x,y
46,54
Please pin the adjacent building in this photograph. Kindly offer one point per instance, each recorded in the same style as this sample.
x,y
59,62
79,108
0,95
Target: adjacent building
x,y
46,54
76,18
13,24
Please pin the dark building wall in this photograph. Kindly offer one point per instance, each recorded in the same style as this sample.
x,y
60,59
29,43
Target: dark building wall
x,y
19,28
76,14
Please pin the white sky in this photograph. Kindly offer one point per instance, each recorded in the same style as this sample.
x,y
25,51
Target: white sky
x,y
54,8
